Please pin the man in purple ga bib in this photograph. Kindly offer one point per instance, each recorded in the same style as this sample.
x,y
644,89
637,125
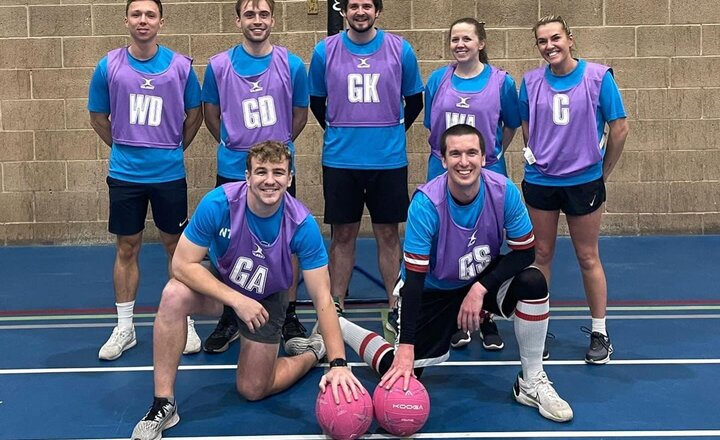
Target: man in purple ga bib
x,y
250,230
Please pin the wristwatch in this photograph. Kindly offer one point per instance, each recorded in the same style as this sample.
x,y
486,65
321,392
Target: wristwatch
x,y
338,362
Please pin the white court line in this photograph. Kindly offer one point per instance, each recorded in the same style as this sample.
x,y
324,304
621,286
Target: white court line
x,y
16,371
355,319
519,434
676,308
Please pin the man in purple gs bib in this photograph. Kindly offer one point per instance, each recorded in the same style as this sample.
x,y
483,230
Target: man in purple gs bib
x,y
253,92
453,270
365,91
152,96
250,230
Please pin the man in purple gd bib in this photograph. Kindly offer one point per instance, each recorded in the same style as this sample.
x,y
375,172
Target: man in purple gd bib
x,y
253,92
453,270
250,230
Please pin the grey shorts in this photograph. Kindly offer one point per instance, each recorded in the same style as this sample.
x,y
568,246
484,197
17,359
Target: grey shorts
x,y
276,305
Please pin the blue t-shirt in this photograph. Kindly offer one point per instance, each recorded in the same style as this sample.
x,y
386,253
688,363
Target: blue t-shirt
x,y
421,232
210,227
139,164
509,111
232,164
342,145
610,107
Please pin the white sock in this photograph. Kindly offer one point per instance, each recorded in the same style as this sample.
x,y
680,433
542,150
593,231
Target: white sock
x,y
531,324
598,325
368,345
125,314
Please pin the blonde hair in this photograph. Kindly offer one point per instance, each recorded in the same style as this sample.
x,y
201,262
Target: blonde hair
x,y
554,19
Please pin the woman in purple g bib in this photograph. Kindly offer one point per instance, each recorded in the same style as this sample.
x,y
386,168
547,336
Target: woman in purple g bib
x,y
565,108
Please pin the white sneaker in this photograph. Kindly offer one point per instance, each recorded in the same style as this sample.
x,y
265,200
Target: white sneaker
x,y
193,343
163,415
314,343
121,339
539,393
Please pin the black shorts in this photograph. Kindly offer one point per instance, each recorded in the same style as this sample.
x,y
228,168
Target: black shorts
x,y
129,203
221,180
276,306
572,200
347,191
437,321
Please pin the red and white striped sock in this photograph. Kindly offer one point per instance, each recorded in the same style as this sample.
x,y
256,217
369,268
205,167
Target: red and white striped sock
x,y
531,324
368,345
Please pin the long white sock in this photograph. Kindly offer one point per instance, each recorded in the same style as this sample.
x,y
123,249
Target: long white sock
x,y
598,325
125,314
368,345
531,324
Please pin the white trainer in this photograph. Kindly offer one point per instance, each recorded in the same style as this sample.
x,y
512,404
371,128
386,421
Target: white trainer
x,y
538,392
120,340
162,415
314,343
192,343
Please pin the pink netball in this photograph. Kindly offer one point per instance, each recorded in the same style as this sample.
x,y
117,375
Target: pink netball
x,y
399,412
345,421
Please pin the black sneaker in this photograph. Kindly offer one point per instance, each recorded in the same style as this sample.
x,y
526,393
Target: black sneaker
x,y
460,338
393,321
163,415
489,334
600,348
225,332
293,328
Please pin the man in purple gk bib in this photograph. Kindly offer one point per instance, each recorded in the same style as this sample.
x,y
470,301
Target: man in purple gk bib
x,y
365,91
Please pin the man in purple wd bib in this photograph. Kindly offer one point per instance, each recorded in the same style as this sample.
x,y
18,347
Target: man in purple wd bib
x,y
253,92
153,96
365,91
250,230
453,270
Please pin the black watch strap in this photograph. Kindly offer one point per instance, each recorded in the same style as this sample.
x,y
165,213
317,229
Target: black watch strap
x,y
338,362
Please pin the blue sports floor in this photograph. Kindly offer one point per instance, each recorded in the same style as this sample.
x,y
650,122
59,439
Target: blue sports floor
x,y
56,309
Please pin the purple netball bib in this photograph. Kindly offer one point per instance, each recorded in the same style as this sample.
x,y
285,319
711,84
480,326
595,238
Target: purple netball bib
x,y
253,267
462,253
255,108
363,90
563,125
481,110
147,109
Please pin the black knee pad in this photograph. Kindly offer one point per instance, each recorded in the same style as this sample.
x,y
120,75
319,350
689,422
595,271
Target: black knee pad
x,y
386,362
528,285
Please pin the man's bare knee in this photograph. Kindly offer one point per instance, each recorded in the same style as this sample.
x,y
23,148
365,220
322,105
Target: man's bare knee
x,y
251,391
176,298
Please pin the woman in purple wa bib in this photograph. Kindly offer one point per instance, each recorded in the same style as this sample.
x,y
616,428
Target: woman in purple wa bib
x,y
565,107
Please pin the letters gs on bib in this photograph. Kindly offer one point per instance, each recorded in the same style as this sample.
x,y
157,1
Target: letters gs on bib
x,y
474,262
